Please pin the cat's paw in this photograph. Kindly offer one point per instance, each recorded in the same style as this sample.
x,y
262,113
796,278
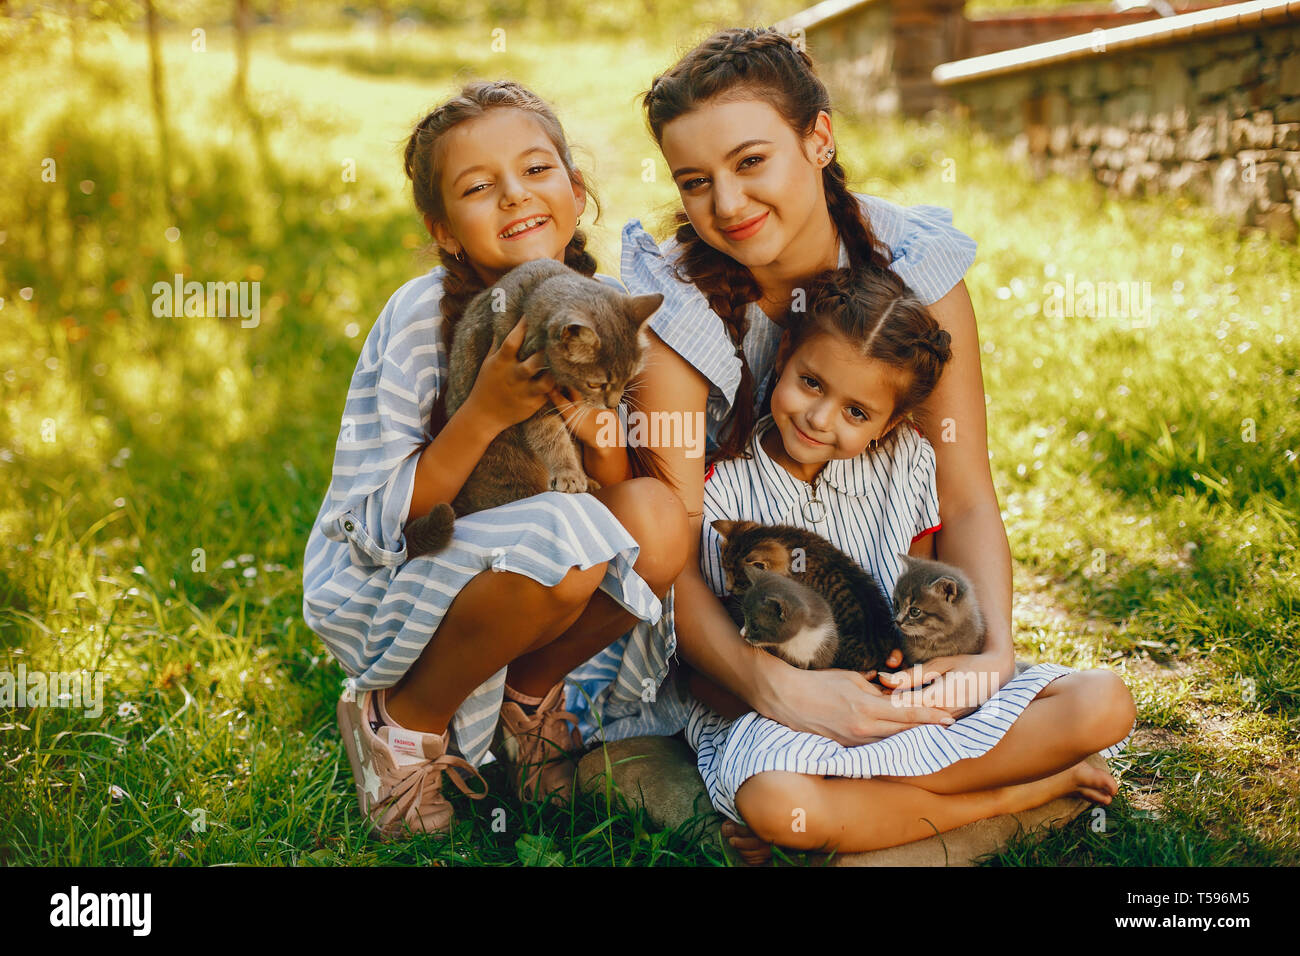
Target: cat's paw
x,y
569,484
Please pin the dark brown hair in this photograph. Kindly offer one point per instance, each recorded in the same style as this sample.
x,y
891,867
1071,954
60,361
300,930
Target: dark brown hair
x,y
752,63
879,315
424,170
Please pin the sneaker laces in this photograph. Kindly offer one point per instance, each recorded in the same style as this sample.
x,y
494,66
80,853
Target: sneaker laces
x,y
537,733
410,789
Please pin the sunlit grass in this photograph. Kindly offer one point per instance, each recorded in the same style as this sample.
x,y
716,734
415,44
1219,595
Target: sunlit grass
x,y
161,474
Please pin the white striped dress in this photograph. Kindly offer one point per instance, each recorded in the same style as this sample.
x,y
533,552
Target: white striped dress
x,y
375,610
626,690
877,504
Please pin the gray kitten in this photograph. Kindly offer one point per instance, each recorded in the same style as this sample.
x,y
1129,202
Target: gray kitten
x,y
790,620
591,335
936,610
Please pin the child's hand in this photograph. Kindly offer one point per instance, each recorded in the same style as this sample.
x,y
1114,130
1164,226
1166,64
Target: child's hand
x,y
585,423
958,684
506,390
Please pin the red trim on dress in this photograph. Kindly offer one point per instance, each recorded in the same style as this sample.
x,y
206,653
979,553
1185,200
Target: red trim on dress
x,y
709,474
927,531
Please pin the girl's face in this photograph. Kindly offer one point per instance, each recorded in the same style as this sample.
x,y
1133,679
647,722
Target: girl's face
x,y
830,401
508,197
751,186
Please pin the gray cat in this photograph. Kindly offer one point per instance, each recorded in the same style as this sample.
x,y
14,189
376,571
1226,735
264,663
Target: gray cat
x,y
591,335
936,609
790,620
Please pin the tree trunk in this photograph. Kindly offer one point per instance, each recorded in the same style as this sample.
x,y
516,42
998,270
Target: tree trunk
x,y
160,107
243,14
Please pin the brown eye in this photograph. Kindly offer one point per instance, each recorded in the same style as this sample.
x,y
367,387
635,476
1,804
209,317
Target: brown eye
x,y
595,386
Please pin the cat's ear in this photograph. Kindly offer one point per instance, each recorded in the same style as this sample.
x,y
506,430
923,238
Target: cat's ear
x,y
907,558
754,572
945,587
579,341
723,527
641,307
776,607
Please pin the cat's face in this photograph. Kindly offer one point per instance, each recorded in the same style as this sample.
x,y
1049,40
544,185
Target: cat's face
x,y
769,614
928,606
596,350
745,550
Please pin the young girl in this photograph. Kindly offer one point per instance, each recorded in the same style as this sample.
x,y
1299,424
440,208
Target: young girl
x,y
849,375
436,648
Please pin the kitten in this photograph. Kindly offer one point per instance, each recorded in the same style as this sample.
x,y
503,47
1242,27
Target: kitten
x,y
790,620
936,611
592,336
864,630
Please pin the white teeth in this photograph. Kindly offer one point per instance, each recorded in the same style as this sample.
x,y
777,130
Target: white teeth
x,y
526,224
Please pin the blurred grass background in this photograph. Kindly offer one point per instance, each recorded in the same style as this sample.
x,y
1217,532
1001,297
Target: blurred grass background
x,y
160,475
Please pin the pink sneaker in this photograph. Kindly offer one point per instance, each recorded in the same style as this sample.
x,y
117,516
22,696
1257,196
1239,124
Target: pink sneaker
x,y
398,772
539,746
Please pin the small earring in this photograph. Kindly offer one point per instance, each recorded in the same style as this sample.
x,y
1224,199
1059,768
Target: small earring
x,y
874,443
460,255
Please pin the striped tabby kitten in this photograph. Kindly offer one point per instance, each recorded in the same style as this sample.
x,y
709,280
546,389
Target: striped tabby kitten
x,y
790,619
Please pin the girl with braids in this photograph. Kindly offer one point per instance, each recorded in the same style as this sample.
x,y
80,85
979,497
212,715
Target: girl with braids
x,y
838,455
744,124
436,647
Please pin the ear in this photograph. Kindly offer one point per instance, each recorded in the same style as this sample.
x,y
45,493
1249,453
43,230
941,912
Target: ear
x,y
776,607
443,236
580,193
723,527
579,340
754,572
644,306
907,558
946,588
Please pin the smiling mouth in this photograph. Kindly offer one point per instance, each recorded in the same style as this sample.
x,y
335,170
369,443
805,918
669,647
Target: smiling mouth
x,y
805,437
523,227
746,228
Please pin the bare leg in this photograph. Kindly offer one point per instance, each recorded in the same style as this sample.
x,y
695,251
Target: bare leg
x,y
475,640
655,517
1074,716
853,815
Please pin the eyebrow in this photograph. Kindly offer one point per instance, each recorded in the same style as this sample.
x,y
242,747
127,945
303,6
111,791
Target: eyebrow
x,y
813,373
473,169
741,148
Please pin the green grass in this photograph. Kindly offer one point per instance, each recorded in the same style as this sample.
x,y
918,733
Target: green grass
x,y
160,476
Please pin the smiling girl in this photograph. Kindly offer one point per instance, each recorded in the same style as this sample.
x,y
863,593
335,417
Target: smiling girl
x,y
444,650
744,125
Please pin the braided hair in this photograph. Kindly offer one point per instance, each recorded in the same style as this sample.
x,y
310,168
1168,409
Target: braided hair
x,y
424,162
763,64
879,315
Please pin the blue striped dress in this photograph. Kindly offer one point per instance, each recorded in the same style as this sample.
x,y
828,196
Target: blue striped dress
x,y
628,690
374,609
876,505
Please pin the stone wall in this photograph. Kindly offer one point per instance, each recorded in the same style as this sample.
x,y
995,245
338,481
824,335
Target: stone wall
x,y
1217,116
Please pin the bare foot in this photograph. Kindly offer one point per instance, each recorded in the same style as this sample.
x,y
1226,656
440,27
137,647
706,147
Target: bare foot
x,y
752,849
1083,780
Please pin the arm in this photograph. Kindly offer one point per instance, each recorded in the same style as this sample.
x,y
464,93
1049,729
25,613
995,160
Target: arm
x,y
972,537
839,704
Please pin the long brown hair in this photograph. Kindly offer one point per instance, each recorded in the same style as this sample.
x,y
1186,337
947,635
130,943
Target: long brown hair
x,y
424,167
762,64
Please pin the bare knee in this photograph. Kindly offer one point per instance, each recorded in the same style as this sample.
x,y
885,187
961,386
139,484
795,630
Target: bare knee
x,y
575,589
776,805
1102,707
656,518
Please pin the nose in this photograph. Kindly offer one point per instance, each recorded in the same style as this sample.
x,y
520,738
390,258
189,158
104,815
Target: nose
x,y
513,191
728,199
819,416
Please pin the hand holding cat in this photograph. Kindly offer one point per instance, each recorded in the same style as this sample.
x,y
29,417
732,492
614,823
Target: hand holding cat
x,y
844,706
958,685
507,390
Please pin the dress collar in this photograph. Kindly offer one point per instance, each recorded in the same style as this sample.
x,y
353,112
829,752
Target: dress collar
x,y
848,476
